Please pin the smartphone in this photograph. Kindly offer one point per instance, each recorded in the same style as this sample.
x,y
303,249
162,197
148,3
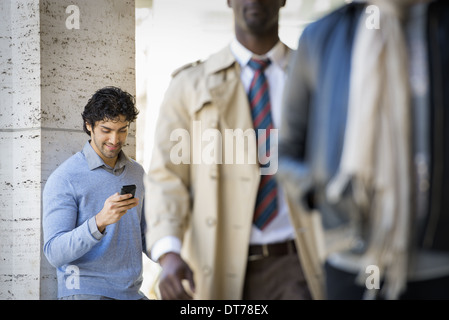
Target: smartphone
x,y
131,188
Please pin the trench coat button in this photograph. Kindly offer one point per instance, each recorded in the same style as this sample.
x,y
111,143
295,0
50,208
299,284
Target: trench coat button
x,y
211,222
207,270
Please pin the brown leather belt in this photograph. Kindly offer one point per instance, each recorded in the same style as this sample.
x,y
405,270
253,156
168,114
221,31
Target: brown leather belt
x,y
257,252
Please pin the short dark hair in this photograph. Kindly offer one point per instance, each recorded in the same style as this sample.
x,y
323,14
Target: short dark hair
x,y
109,103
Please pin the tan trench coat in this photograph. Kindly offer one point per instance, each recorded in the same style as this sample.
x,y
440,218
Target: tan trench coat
x,y
210,206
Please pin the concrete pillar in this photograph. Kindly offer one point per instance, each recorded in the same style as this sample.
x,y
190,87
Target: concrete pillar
x,y
54,55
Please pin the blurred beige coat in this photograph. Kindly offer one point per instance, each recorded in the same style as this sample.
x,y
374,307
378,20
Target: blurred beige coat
x,y
210,206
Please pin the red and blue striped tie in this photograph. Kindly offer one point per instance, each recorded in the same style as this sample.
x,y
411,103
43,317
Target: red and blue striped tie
x,y
266,207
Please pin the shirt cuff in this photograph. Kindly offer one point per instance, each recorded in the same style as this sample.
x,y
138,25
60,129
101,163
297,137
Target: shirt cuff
x,y
165,245
94,230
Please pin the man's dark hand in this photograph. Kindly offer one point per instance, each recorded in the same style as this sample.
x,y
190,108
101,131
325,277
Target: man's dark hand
x,y
174,271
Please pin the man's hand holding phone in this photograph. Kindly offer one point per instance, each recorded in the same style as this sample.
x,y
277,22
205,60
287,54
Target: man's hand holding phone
x,y
116,206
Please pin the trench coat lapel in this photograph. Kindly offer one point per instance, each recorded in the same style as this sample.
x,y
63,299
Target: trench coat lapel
x,y
227,92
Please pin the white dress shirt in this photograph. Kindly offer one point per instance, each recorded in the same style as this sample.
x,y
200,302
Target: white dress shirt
x,y
279,229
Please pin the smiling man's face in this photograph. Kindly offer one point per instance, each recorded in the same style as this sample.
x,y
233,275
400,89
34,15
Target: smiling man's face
x,y
108,138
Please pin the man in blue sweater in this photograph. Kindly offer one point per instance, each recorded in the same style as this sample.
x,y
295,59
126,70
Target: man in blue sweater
x,y
93,235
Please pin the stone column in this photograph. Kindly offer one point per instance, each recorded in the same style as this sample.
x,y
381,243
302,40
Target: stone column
x,y
54,55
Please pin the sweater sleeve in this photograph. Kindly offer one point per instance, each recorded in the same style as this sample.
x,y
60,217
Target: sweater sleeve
x,y
64,241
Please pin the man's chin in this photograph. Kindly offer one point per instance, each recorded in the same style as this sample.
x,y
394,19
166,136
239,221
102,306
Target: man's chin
x,y
256,26
111,154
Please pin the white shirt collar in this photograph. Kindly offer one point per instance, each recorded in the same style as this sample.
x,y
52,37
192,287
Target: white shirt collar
x,y
278,54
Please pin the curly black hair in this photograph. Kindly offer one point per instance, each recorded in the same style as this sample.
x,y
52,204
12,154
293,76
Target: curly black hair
x,y
109,103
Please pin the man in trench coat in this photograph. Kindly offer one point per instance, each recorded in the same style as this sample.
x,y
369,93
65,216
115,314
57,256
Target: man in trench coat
x,y
201,196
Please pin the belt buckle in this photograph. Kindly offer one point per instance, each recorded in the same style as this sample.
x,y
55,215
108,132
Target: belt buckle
x,y
265,253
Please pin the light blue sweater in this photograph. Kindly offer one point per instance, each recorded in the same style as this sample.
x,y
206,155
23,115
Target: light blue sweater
x,y
88,262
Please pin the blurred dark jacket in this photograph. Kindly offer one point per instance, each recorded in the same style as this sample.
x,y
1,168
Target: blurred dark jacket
x,y
315,111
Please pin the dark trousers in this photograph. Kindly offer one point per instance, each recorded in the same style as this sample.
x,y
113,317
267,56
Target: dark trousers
x,y
340,285
275,278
